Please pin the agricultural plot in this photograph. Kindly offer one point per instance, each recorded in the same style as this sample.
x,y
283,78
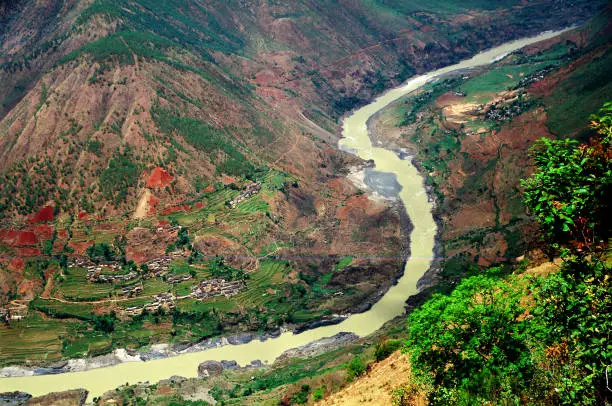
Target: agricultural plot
x,y
219,304
59,309
269,276
253,205
481,88
88,345
75,287
32,339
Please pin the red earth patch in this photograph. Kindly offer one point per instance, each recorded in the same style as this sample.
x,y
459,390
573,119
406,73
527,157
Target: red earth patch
x,y
17,264
174,209
159,178
136,256
28,252
45,214
152,203
80,247
209,189
43,231
228,180
83,215
27,238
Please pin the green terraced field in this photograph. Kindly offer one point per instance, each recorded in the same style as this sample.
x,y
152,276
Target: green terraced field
x,y
270,275
63,310
75,287
33,339
480,88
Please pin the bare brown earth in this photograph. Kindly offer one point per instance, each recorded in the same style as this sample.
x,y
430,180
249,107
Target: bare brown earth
x,y
375,388
70,398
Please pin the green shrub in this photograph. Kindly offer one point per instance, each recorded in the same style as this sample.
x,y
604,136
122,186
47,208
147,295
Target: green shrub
x,y
318,394
355,368
95,147
101,252
472,341
386,348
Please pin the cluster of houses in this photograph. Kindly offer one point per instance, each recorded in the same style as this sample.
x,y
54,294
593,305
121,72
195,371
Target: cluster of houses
x,y
161,300
110,273
14,311
114,278
506,110
94,271
216,287
178,278
131,291
534,77
159,266
249,191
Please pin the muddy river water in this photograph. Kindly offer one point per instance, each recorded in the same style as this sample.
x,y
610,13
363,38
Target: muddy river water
x,y
419,209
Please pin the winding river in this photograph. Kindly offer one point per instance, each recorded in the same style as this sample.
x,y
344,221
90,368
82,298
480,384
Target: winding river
x,y
419,209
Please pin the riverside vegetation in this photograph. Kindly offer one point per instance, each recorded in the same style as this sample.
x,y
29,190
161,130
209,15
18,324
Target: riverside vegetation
x,y
116,213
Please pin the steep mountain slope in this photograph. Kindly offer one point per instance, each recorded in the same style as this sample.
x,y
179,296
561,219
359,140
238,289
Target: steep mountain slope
x,y
566,71
203,134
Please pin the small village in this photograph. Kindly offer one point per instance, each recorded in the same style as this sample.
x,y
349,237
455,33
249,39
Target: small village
x,y
158,267
161,300
216,287
207,289
16,310
249,191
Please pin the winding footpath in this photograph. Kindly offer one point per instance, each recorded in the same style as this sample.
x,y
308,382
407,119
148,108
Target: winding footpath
x,y
419,208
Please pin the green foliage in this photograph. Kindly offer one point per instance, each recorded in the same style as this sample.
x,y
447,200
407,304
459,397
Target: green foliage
x,y
588,86
576,305
182,240
355,368
95,147
184,22
344,104
123,46
318,394
385,348
572,186
220,269
121,174
104,323
471,341
101,252
205,137
301,398
484,343
44,94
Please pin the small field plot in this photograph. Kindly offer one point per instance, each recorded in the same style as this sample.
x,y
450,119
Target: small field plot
x,y
76,287
481,88
89,345
33,338
154,286
269,276
220,303
58,309
253,205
